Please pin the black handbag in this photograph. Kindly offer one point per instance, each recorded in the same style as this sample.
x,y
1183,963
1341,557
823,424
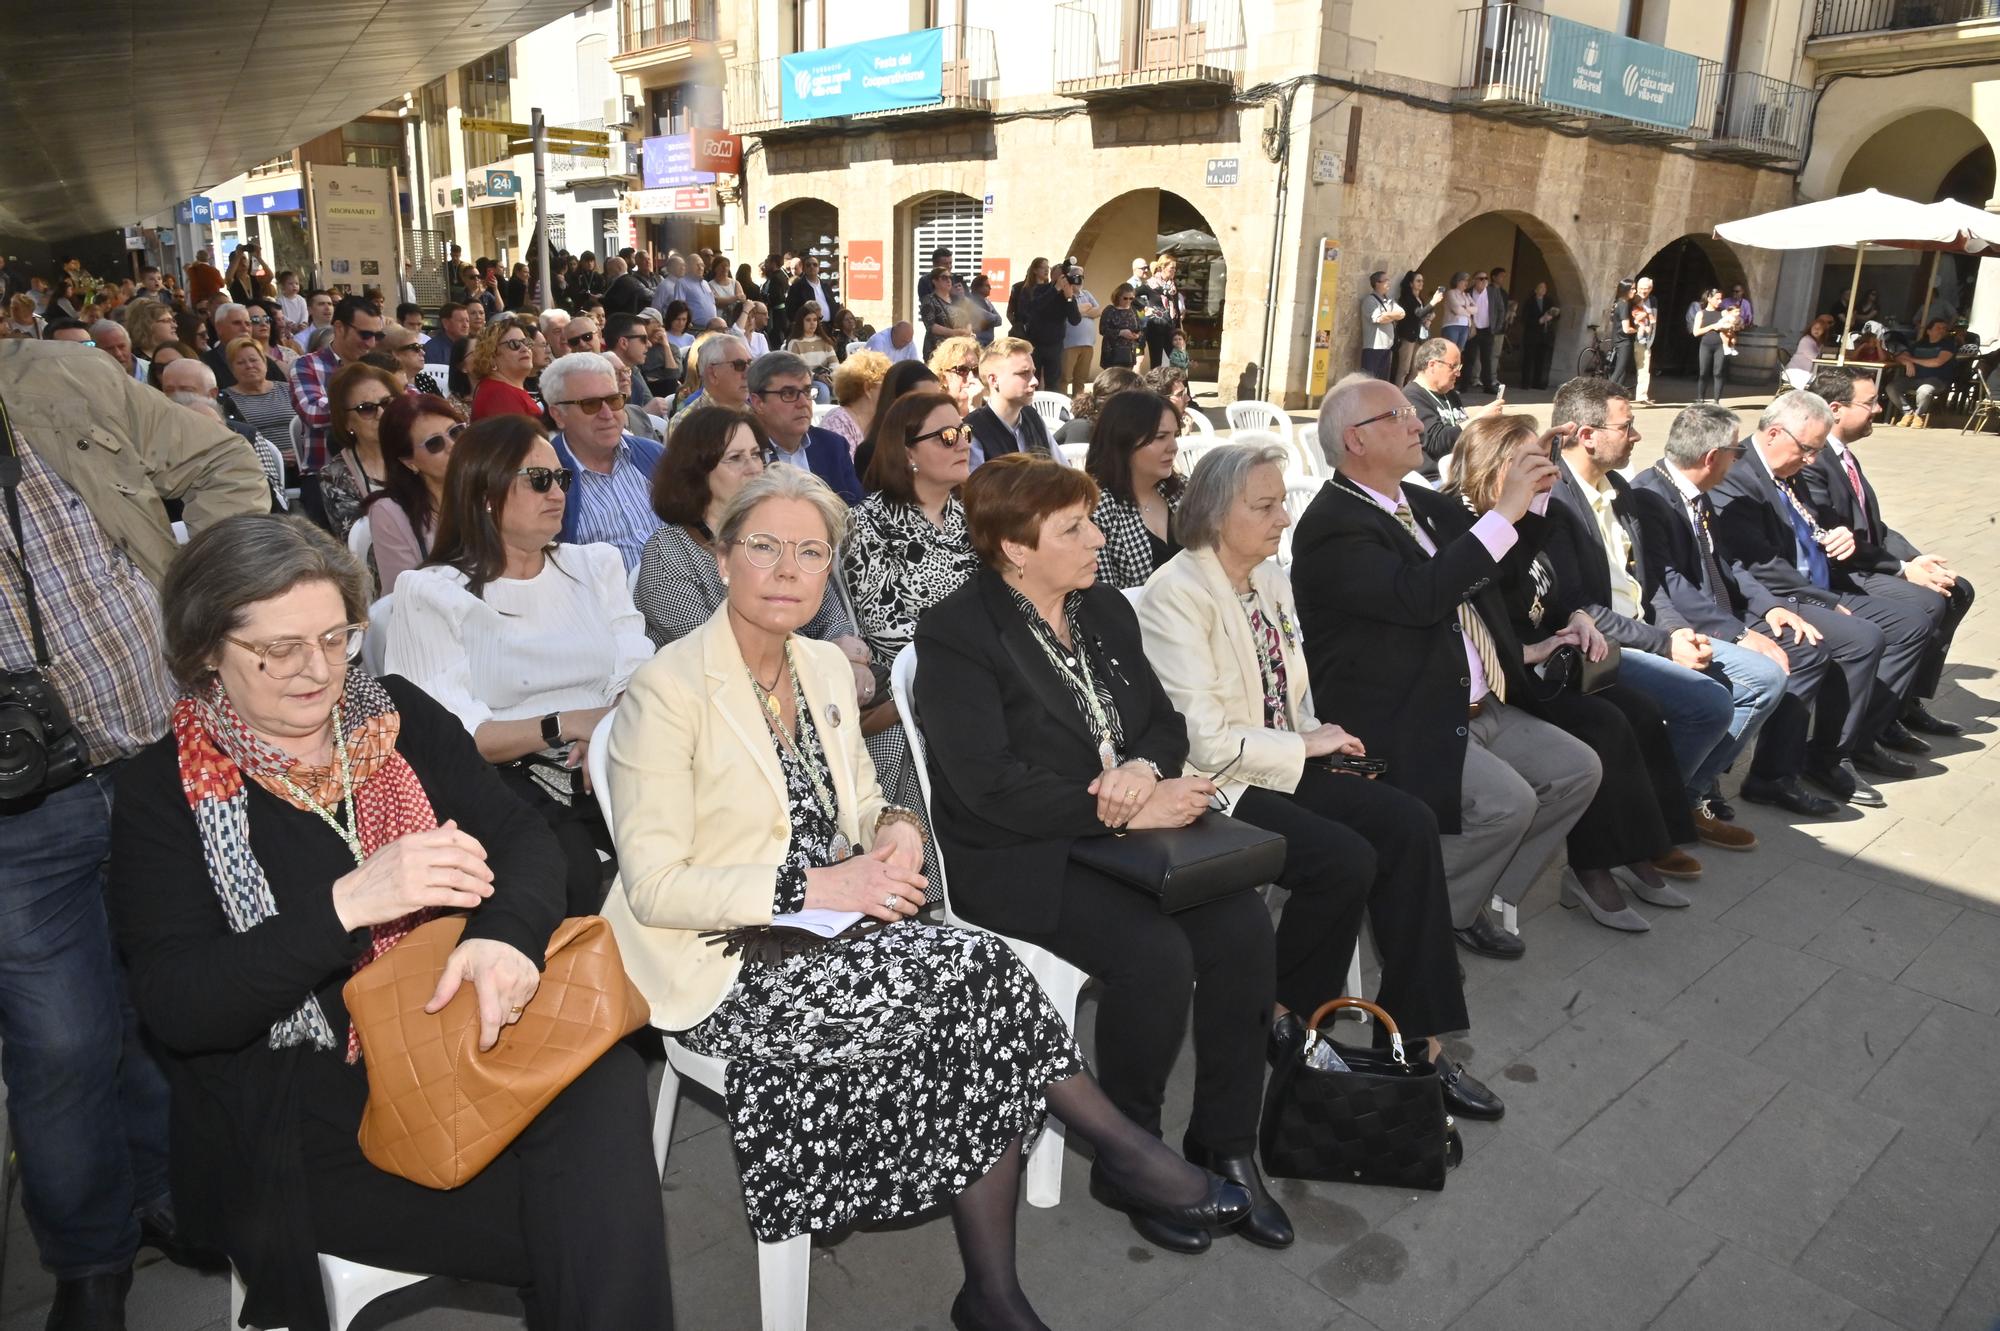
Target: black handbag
x,y
1378,1119
1208,859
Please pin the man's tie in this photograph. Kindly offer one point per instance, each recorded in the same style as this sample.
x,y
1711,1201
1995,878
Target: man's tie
x,y
1853,471
1711,568
1806,528
1469,622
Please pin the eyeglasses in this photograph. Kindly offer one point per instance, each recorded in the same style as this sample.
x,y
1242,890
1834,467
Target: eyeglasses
x,y
1734,450
742,461
284,658
369,408
764,550
948,436
740,366
438,443
1810,450
539,479
788,394
513,344
579,340
1219,801
365,335
257,319
1395,414
592,405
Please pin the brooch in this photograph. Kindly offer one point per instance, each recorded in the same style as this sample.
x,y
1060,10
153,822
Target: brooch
x,y
833,714
1286,627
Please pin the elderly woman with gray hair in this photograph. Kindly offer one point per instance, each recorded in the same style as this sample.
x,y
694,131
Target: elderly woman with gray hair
x,y
299,818
1222,635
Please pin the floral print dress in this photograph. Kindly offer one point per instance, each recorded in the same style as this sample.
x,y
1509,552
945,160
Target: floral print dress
x,y
875,1077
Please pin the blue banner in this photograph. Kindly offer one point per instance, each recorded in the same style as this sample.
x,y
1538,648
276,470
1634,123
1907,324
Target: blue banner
x,y
1594,70
196,211
224,210
887,74
503,185
278,201
664,164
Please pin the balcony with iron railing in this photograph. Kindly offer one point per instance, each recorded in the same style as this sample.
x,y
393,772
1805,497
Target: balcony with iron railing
x,y
662,30
970,80
1853,18
1101,54
1506,65
277,165
1757,118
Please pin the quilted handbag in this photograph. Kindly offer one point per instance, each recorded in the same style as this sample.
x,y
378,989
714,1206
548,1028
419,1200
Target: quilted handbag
x,y
439,1108
1379,1119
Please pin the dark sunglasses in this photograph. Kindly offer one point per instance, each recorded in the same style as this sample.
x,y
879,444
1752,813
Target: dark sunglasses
x,y
578,340
740,366
541,478
438,443
367,336
948,436
592,405
369,408
512,344
256,319
965,371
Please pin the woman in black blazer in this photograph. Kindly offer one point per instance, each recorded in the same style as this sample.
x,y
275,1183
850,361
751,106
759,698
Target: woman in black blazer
x,y
1045,725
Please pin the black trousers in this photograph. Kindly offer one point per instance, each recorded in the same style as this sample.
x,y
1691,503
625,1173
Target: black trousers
x,y
580,831
1943,612
1149,966
1048,366
1621,361
1623,824
1375,361
1354,845
1159,335
571,1210
1781,744
1536,352
1708,372
1481,366
1852,705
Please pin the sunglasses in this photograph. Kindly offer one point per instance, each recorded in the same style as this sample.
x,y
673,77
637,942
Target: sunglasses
x,y
592,405
790,393
965,371
541,478
579,340
367,336
438,443
948,436
369,408
256,319
513,344
740,366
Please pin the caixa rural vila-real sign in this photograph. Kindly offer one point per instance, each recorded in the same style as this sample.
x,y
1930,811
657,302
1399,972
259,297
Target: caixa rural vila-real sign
x,y
1590,69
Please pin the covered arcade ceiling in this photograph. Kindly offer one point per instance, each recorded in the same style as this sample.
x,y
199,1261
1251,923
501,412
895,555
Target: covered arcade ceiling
x,y
111,111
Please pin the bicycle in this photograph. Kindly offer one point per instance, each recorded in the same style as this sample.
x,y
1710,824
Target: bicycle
x,y
1595,358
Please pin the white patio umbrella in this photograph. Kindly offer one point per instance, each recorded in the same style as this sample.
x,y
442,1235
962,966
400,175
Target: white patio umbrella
x,y
1865,221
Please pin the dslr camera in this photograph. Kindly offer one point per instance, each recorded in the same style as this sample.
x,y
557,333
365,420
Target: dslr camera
x,y
40,750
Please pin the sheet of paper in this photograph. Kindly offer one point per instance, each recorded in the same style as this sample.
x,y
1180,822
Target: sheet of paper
x,y
825,923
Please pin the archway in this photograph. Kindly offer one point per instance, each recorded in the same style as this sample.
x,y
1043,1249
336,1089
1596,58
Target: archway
x,y
1148,223
1926,155
808,226
1681,271
925,222
1531,252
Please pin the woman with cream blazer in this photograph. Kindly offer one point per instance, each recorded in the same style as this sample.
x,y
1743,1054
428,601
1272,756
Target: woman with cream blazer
x,y
1353,844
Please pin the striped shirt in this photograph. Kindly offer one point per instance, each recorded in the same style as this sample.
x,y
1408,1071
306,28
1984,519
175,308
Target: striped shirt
x,y
616,508
100,615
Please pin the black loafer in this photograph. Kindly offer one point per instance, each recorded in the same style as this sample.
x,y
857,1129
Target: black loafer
x,y
1835,778
1267,1225
1789,794
90,1303
1464,1094
1287,1034
1489,939
1918,717
1183,1229
1878,761
1897,736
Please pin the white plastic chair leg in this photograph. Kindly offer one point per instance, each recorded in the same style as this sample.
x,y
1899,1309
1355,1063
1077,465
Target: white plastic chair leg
x,y
235,1297
783,1281
1353,989
350,1287
1061,983
663,1115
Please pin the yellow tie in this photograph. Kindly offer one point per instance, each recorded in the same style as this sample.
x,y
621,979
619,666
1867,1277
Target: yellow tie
x,y
1469,623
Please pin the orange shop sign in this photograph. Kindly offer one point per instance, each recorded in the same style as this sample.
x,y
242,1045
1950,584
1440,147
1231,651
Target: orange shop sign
x,y
997,275
714,150
864,270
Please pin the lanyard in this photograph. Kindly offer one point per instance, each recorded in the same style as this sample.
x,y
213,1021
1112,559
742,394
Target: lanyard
x,y
774,717
1086,684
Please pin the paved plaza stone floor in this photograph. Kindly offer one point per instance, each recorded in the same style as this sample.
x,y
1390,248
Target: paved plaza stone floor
x,y
1774,1112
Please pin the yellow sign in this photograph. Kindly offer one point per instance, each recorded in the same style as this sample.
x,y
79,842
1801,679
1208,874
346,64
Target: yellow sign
x,y
471,125
1326,295
515,130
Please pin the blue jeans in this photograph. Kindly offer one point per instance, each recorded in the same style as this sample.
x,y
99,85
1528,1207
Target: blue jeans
x,y
1756,687
87,1105
1697,709
1457,333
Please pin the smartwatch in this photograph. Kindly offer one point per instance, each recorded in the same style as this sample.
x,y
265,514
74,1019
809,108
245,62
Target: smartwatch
x,y
552,729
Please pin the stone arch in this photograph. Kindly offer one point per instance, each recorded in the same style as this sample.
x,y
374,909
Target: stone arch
x,y
950,216
1682,268
807,225
1146,223
1532,251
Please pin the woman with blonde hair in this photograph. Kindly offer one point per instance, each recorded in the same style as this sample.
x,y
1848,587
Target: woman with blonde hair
x,y
22,321
499,362
956,365
855,385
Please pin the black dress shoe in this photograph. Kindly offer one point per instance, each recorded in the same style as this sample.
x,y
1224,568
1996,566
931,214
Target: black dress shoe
x,y
1464,1094
1787,793
159,1229
1176,1228
1878,761
1287,1034
1835,778
1916,716
1489,939
1267,1225
92,1303
1897,736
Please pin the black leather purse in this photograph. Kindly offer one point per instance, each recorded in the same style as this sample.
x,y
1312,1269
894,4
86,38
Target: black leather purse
x,y
1208,859
1352,1115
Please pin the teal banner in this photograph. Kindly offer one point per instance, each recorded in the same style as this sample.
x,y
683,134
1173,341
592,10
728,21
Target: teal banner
x,y
1594,70
886,74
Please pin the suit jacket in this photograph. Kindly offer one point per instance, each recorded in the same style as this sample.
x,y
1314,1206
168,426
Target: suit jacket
x,y
1531,309
996,439
1381,617
1198,642
1753,522
828,457
1011,756
699,810
799,295
1576,547
1831,496
1682,599
625,295
645,453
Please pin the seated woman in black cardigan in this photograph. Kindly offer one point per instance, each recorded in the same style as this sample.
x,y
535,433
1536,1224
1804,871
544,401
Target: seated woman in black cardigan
x,y
1044,725
301,817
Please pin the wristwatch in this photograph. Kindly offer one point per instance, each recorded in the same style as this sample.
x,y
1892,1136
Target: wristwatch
x,y
552,729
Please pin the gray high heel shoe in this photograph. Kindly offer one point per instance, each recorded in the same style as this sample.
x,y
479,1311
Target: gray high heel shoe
x,y
1666,894
1627,919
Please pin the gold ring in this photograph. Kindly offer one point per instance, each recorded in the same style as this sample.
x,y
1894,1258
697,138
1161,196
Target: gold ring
x,y
513,1014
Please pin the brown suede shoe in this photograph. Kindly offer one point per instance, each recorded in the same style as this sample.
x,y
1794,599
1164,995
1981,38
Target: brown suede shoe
x,y
1678,864
1714,832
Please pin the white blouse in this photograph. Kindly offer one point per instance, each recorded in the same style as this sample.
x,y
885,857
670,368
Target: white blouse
x,y
564,640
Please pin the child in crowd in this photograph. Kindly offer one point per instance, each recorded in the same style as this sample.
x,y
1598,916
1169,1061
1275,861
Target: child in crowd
x,y
1177,356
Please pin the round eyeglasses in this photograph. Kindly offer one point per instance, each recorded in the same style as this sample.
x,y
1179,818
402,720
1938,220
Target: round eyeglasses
x,y
764,550
285,658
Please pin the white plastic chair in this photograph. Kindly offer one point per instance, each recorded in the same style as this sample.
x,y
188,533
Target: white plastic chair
x,y
360,541
853,347
1189,451
1300,491
1305,442
1074,454
783,1268
273,461
1059,980
1251,414
820,410
375,642
349,1288
1053,408
1202,425
299,440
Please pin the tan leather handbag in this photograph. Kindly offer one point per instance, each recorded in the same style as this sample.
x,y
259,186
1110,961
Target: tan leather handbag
x,y
439,1109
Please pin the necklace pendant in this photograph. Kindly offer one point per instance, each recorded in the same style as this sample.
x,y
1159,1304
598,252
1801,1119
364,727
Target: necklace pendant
x,y
1107,755
841,848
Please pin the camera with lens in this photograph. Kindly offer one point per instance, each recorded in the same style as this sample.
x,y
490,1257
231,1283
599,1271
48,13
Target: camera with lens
x,y
40,749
